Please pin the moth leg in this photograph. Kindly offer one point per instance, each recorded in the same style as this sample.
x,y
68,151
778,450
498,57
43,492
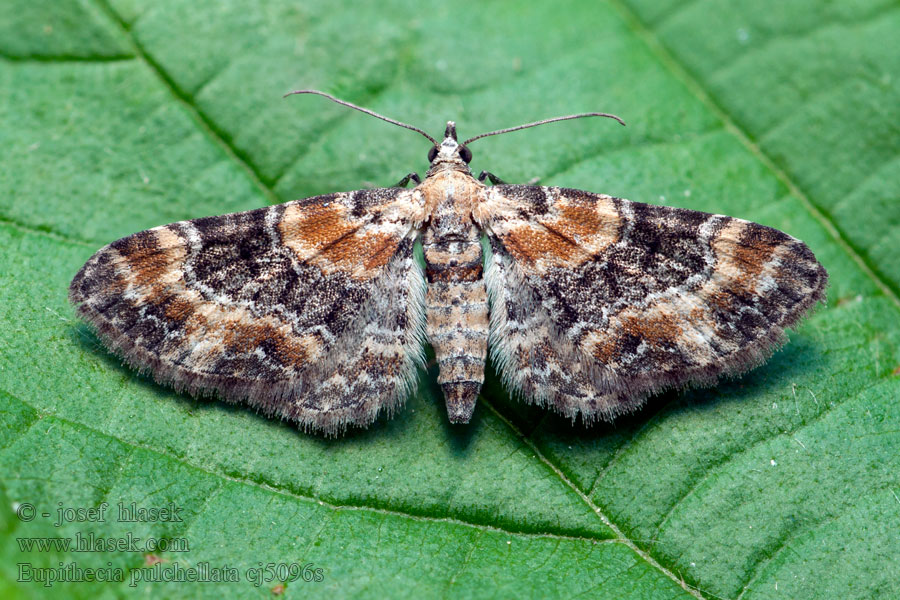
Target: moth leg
x,y
405,180
487,175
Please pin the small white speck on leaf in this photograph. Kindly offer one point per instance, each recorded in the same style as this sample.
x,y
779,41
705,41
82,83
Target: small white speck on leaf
x,y
773,463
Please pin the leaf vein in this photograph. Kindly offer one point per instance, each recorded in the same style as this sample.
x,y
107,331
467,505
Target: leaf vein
x,y
316,500
683,74
620,536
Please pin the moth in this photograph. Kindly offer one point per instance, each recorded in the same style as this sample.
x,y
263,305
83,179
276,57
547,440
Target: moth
x,y
316,311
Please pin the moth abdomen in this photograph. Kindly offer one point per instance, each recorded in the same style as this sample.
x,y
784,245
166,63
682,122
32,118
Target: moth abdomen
x,y
453,261
457,320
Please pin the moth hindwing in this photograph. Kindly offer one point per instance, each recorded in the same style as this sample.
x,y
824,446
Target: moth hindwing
x,y
315,310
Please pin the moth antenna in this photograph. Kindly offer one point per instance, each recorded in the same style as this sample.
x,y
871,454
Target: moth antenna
x,y
536,123
361,109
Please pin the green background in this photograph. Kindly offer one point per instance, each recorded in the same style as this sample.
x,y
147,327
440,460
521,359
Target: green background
x,y
122,115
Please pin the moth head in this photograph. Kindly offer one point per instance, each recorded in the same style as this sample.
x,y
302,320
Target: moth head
x,y
450,149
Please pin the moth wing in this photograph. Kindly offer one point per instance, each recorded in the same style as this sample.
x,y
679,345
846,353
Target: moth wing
x,y
312,310
598,302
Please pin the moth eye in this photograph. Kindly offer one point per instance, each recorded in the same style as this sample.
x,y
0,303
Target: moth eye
x,y
465,154
432,153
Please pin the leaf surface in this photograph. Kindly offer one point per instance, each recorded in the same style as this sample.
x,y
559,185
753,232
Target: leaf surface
x,y
121,116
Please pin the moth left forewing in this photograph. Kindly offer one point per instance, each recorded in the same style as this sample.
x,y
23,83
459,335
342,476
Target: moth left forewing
x,y
310,310
597,301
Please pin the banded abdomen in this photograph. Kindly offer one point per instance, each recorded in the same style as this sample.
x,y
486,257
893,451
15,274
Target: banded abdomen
x,y
457,312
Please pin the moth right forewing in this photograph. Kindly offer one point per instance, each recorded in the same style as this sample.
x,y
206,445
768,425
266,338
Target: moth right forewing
x,y
600,301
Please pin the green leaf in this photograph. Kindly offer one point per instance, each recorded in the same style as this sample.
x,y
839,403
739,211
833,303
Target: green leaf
x,y
783,483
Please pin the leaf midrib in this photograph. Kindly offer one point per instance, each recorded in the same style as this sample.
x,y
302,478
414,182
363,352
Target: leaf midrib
x,y
41,416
